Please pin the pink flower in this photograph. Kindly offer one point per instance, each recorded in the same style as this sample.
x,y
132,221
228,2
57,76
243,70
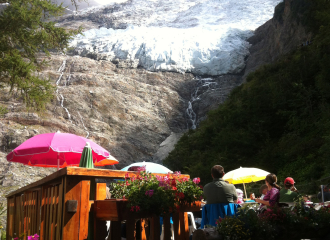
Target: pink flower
x,y
126,175
34,237
177,173
149,193
196,180
137,208
142,169
16,238
132,208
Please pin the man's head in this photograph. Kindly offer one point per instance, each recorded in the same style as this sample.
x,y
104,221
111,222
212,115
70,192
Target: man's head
x,y
288,183
217,171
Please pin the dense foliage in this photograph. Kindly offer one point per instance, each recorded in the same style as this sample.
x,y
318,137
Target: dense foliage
x,y
278,120
26,29
277,223
159,194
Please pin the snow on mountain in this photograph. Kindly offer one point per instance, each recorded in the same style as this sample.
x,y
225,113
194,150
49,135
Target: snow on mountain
x,y
205,37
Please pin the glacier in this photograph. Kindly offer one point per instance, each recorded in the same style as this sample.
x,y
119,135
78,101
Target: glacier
x,y
204,37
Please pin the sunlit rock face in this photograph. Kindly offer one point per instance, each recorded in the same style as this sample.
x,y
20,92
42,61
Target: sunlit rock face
x,y
204,37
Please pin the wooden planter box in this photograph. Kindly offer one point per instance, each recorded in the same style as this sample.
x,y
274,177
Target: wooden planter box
x,y
117,210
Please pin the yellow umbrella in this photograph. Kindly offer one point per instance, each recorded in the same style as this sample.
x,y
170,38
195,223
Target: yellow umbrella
x,y
245,175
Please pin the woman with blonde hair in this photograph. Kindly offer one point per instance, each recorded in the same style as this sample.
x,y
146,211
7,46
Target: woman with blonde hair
x,y
273,194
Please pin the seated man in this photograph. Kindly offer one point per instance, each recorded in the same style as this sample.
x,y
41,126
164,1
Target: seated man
x,y
288,193
219,191
220,198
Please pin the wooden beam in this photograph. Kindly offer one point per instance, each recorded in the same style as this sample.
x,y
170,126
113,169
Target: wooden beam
x,y
106,173
74,171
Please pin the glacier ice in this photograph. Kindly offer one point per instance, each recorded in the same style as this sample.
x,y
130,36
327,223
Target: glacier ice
x,y
205,37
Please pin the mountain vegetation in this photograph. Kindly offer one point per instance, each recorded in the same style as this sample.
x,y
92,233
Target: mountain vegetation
x,y
26,30
279,120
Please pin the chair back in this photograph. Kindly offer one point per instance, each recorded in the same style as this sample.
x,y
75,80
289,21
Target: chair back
x,y
212,212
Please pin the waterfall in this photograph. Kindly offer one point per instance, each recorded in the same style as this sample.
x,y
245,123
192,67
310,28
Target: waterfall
x,y
202,86
60,97
82,121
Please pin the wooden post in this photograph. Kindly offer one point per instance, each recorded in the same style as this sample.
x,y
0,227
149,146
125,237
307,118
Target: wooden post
x,y
184,228
75,225
115,230
155,228
10,217
143,229
176,225
167,227
100,228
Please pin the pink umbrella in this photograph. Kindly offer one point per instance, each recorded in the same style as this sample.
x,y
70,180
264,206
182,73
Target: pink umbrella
x,y
58,150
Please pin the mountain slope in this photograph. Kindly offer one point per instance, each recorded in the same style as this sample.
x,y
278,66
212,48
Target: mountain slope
x,y
278,119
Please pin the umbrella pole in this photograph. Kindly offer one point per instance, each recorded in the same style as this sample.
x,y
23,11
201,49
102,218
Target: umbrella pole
x,y
58,161
244,190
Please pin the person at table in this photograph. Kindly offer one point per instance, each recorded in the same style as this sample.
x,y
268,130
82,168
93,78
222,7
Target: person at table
x,y
273,195
289,192
263,191
218,191
326,194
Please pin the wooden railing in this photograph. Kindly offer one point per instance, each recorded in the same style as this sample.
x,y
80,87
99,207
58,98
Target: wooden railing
x,y
58,207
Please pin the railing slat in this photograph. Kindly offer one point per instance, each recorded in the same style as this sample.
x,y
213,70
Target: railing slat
x,y
59,212
47,214
50,216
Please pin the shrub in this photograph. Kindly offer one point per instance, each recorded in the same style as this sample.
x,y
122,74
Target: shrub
x,y
276,223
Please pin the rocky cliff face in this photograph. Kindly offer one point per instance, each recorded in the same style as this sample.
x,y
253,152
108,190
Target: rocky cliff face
x,y
280,35
135,114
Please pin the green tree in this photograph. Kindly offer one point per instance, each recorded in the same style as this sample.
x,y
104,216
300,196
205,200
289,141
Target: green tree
x,y
26,29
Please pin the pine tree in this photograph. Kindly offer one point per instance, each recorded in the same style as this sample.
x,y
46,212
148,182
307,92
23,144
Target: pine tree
x,y
26,29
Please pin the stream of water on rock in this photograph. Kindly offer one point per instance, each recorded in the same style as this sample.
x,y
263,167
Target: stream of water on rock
x,y
202,86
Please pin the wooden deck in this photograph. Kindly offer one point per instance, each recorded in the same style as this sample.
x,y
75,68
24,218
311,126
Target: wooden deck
x,y
59,207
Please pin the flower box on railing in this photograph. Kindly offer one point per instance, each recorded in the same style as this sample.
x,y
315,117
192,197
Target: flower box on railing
x,y
116,210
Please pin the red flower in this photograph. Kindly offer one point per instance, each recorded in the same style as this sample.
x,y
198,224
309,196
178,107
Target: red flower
x,y
181,195
201,186
174,188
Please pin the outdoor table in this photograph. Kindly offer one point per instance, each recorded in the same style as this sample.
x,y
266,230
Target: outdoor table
x,y
58,206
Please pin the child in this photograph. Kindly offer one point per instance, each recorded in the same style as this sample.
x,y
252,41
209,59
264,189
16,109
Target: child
x,y
239,196
306,199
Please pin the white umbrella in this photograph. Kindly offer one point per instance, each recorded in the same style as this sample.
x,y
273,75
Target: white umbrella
x,y
150,167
